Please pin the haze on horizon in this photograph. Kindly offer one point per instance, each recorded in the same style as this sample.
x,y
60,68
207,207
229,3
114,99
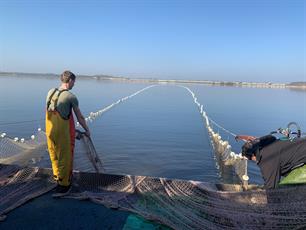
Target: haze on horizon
x,y
237,40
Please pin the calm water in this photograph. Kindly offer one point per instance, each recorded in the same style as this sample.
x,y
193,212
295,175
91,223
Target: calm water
x,y
160,131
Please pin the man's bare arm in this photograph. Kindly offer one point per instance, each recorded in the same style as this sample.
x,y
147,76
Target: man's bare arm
x,y
81,120
244,138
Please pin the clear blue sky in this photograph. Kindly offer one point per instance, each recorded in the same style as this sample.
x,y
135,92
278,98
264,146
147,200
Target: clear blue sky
x,y
260,40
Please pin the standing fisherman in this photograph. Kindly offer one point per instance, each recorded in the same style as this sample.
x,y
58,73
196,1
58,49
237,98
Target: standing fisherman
x,y
60,130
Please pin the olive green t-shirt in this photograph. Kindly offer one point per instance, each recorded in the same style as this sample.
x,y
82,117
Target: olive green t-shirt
x,y
66,101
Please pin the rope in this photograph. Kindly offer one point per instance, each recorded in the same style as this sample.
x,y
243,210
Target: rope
x,y
20,122
214,122
221,127
222,148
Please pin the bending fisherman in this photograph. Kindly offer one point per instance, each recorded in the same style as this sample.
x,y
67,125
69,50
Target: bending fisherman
x,y
60,130
277,158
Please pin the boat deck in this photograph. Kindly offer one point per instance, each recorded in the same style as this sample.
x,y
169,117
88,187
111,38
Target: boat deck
x,y
46,212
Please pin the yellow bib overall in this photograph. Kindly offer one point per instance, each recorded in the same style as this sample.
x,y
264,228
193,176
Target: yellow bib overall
x,y
60,139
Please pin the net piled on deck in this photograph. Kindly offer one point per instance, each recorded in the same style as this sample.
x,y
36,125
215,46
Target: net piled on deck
x,y
21,184
179,204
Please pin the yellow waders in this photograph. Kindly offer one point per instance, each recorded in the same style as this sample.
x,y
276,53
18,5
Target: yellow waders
x,y
60,139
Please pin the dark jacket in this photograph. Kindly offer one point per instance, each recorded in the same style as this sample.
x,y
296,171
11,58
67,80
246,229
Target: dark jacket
x,y
279,158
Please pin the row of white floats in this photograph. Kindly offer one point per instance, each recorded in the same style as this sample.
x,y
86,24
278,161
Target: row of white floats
x,y
17,139
93,115
223,148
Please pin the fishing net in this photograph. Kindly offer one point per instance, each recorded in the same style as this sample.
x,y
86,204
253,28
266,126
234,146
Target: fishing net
x,y
33,152
20,184
179,204
21,151
229,162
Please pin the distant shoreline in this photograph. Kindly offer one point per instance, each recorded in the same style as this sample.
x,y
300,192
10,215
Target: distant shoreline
x,y
293,85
